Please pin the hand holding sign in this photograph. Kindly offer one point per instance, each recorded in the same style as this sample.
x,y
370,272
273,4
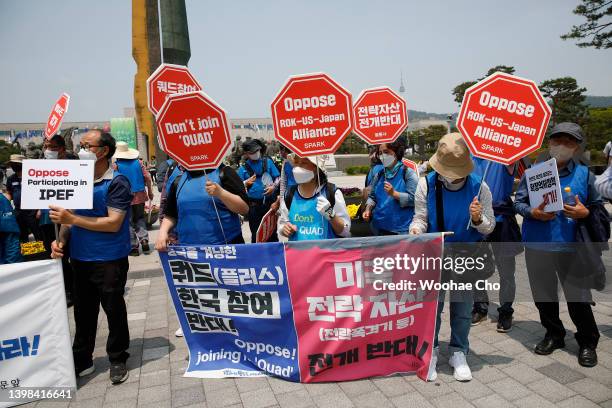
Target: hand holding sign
x,y
61,215
213,189
476,211
539,214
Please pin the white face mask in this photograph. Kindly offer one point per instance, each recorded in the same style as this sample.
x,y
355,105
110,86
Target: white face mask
x,y
51,154
449,182
254,156
561,153
87,155
302,175
387,160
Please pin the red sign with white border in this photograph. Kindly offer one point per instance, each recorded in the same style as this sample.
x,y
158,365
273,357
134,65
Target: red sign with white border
x,y
380,115
169,79
312,114
193,129
503,118
57,115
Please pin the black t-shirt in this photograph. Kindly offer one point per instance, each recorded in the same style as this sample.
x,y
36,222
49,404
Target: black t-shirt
x,y
230,181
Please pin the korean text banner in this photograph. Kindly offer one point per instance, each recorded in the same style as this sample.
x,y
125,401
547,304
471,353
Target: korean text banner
x,y
307,311
35,349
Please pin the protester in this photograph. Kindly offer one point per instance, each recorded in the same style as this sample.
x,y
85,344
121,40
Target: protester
x,y
390,203
453,180
152,168
10,250
55,149
375,168
126,160
550,250
607,151
500,178
314,208
261,179
204,209
99,242
26,219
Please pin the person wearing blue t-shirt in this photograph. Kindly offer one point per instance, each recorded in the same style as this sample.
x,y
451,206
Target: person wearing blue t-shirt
x,y
390,203
261,179
313,209
10,249
99,243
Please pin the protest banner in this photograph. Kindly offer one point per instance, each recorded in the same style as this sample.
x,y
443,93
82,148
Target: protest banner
x,y
312,114
380,115
54,122
544,186
192,128
411,164
503,118
66,183
169,79
308,311
267,227
35,346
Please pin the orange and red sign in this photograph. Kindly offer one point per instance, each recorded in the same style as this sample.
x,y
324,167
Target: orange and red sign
x,y
312,114
169,79
193,129
57,115
380,115
503,118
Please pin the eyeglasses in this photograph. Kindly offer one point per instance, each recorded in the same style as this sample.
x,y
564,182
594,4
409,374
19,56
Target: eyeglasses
x,y
87,146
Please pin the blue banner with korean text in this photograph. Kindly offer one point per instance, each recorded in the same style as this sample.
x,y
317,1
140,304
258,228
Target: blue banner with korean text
x,y
234,306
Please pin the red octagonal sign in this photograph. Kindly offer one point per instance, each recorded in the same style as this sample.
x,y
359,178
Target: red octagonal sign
x,y
193,129
312,114
503,118
380,115
169,79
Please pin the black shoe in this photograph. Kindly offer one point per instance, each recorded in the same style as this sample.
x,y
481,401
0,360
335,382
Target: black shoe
x,y
548,345
587,357
504,323
145,246
134,252
86,370
478,317
118,373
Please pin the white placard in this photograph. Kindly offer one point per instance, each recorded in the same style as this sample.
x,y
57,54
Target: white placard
x,y
35,347
65,183
543,185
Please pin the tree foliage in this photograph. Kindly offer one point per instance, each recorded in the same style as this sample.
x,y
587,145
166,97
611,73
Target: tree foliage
x,y
566,99
597,30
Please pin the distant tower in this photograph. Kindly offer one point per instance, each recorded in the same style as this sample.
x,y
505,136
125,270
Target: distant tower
x,y
402,88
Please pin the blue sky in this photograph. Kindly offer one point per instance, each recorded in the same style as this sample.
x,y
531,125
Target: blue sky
x,y
243,51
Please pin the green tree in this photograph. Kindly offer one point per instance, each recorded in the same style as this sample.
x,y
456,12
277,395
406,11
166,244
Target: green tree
x,y
353,144
566,99
597,30
459,91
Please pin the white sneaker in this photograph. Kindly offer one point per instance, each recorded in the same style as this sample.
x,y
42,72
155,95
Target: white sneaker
x,y
179,332
462,371
86,371
432,374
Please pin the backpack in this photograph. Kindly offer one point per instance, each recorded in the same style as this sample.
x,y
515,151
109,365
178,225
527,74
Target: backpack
x,y
250,170
330,190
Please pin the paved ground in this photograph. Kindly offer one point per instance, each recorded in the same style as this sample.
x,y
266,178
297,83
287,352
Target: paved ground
x,y
506,372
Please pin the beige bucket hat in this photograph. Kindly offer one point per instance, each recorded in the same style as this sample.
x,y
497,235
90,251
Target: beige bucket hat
x,y
123,151
452,159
